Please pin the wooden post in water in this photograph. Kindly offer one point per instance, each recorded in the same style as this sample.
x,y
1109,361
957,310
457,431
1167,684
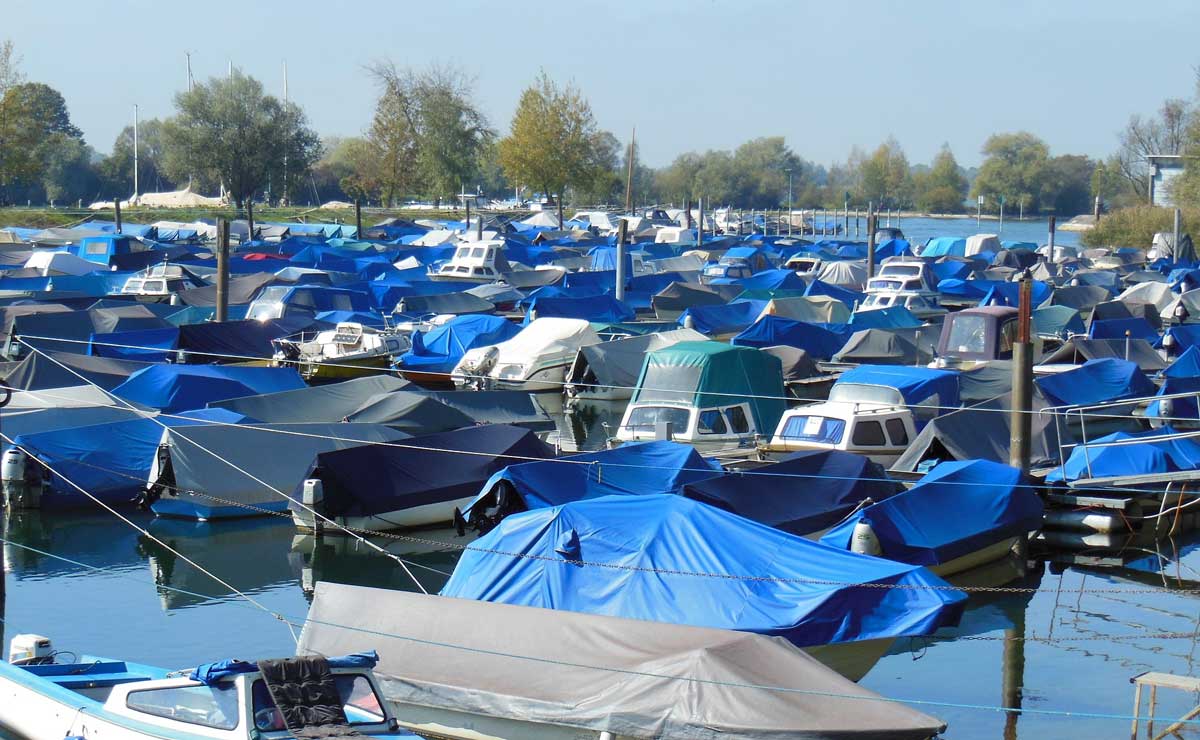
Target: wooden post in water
x,y
222,313
478,226
1096,209
1175,233
622,229
358,218
117,209
700,225
855,223
1020,416
250,218
1050,240
871,243
560,211
466,228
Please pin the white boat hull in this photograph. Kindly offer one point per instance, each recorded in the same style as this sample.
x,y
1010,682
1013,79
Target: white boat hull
x,y
441,512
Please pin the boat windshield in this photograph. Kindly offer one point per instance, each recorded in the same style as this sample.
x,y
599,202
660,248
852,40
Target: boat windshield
x,y
646,418
209,706
863,393
968,336
813,428
905,270
359,701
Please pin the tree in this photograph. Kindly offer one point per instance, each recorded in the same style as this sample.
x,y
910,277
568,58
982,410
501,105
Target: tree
x,y
229,130
116,170
1164,133
1067,185
885,179
761,172
450,131
1014,167
604,183
552,139
31,114
67,171
943,187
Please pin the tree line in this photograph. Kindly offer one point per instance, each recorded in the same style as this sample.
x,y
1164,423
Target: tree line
x,y
429,141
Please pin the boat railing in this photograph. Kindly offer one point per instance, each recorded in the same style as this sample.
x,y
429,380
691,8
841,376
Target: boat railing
x,y
1097,409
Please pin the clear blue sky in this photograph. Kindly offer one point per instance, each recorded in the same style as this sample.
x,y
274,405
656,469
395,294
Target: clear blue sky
x,y
690,74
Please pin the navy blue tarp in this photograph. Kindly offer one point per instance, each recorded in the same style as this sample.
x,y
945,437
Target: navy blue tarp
x,y
642,468
849,297
1096,381
600,309
821,341
183,387
652,547
440,349
143,345
435,468
723,318
833,484
1137,327
1140,454
1183,376
956,509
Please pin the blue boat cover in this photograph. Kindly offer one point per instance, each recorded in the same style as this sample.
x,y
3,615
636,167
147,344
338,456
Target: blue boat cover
x,y
945,246
1183,376
951,269
1137,327
1008,294
833,484
636,469
956,509
1184,336
1096,381
440,349
773,280
600,308
116,470
211,673
723,319
1151,456
653,546
435,468
890,317
183,387
144,345
915,384
893,248
821,341
850,297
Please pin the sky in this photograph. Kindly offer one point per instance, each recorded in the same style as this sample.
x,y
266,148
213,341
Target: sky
x,y
690,75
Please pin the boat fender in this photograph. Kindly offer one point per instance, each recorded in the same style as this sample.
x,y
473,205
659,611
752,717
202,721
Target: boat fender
x,y
864,541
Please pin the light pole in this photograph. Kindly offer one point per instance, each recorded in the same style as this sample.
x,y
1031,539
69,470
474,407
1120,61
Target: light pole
x,y
789,211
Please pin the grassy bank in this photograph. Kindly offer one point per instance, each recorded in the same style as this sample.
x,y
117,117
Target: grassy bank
x,y
1136,227
44,218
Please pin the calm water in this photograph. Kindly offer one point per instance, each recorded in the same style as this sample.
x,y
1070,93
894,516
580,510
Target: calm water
x,y
917,230
125,609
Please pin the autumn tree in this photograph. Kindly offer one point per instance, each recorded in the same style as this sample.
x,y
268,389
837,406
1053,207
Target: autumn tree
x,y
942,188
229,130
884,176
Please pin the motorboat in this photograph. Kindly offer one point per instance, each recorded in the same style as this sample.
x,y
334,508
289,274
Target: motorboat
x,y
473,262
46,696
349,350
903,274
805,265
160,282
536,359
922,305
975,337
872,410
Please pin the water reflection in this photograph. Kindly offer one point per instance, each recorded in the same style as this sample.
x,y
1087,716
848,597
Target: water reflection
x,y
430,557
584,425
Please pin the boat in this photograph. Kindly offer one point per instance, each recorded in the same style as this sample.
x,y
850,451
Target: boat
x,y
959,516
923,305
159,282
904,274
974,337
349,350
874,410
805,265
608,371
448,668
473,262
713,396
536,359
46,696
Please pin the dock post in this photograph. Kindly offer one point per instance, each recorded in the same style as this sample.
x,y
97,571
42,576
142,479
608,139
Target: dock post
x,y
1175,232
250,218
1020,419
855,223
117,210
870,244
622,227
358,217
700,225
478,225
1096,209
222,313
1050,241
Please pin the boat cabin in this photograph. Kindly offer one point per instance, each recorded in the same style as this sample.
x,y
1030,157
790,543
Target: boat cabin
x,y
974,337
887,233
711,395
101,249
284,301
903,274
473,262
923,306
805,265
160,281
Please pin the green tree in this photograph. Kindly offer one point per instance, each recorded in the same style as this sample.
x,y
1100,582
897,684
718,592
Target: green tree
x,y
552,138
761,169
491,174
67,174
116,170
1067,185
451,131
885,179
942,188
229,130
604,182
1014,167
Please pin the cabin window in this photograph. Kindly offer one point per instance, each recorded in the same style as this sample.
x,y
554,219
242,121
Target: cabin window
x,y
341,302
488,271
711,421
302,298
207,706
478,252
1008,337
897,432
968,335
462,253
868,434
737,420
491,253
462,269
821,429
96,248
154,286
646,418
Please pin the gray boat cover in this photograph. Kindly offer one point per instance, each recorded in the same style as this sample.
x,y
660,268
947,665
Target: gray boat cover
x,y
8,313
677,297
277,454
456,303
986,382
38,372
332,402
78,326
242,289
633,678
516,408
889,347
981,432
797,364
1078,350
1082,298
618,364
411,412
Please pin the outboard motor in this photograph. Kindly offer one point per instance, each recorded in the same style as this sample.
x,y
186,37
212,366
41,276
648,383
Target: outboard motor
x,y
313,497
478,371
20,481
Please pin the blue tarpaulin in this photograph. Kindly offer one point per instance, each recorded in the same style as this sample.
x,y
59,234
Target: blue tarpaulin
x,y
915,384
211,673
1140,454
956,509
145,345
819,287
773,280
889,317
723,318
653,544
1096,381
1137,327
600,308
183,387
833,484
945,246
440,349
1008,294
821,341
1183,376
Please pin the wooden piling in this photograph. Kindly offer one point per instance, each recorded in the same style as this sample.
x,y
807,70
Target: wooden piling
x,y
117,209
622,230
1021,414
871,217
250,218
222,313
